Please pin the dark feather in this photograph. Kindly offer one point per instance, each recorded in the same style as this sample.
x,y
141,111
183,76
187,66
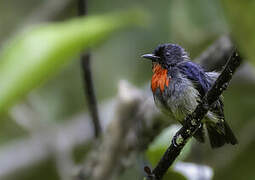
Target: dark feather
x,y
220,132
218,137
202,83
197,75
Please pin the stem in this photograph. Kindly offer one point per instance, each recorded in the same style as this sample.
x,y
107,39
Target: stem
x,y
87,78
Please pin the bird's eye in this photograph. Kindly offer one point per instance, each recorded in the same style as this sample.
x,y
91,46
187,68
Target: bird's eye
x,y
167,53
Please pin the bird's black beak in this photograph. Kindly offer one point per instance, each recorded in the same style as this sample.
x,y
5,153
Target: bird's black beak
x,y
151,57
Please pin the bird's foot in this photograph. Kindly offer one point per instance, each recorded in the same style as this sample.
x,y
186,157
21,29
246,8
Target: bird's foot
x,y
177,140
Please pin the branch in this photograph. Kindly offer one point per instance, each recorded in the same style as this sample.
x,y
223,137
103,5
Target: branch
x,y
79,131
87,78
123,141
217,54
193,121
105,159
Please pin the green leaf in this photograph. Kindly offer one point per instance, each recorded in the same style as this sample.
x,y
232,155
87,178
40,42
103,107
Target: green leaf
x,y
170,175
35,54
240,15
162,142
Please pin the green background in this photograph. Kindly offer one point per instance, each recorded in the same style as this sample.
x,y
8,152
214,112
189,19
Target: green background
x,y
192,24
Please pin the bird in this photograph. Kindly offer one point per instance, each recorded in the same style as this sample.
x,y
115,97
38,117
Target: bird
x,y
178,84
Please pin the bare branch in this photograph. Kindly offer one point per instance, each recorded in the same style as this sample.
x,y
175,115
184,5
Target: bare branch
x,y
76,131
87,78
103,161
216,55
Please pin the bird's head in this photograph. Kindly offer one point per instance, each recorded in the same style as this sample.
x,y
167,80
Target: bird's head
x,y
167,55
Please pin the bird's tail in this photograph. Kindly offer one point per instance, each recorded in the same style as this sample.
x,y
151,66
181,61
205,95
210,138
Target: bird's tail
x,y
220,133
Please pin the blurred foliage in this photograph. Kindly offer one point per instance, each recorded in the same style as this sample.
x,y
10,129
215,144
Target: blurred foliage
x,y
33,55
45,170
241,20
174,175
157,148
10,130
192,24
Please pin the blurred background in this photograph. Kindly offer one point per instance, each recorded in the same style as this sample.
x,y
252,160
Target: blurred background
x,y
48,133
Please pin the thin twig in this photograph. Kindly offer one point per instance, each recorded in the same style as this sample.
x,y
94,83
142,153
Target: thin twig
x,y
193,121
87,78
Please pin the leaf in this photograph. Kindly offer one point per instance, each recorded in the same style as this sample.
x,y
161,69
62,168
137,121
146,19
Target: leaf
x,y
174,175
240,15
162,142
35,54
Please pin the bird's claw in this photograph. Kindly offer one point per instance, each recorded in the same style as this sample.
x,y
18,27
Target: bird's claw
x,y
174,140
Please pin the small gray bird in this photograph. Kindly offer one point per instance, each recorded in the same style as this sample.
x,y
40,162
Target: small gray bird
x,y
178,84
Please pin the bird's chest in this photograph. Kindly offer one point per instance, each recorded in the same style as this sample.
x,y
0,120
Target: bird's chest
x,y
160,79
176,98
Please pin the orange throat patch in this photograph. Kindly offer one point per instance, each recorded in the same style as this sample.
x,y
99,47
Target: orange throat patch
x,y
159,78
